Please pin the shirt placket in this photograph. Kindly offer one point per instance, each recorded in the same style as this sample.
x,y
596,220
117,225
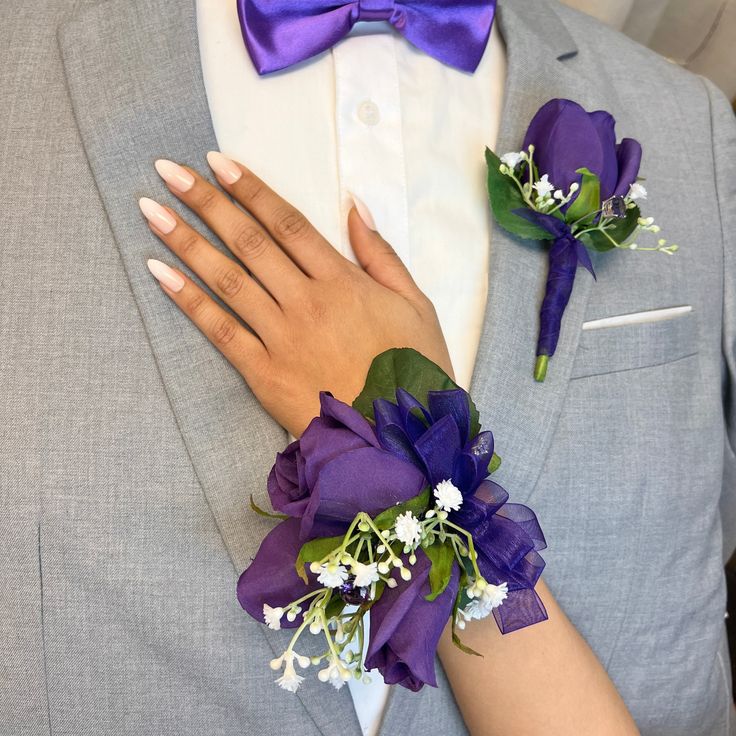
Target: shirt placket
x,y
370,149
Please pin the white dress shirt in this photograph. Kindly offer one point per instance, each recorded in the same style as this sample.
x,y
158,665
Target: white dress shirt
x,y
376,117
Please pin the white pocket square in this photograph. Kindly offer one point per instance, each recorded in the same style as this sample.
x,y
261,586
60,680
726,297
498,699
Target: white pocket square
x,y
637,318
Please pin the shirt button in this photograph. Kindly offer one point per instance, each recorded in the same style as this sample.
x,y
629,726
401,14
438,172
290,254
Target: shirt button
x,y
368,112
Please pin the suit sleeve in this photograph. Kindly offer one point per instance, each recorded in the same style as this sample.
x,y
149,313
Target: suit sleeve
x,y
724,156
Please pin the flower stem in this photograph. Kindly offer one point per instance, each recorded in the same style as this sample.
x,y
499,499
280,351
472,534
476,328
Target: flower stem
x,y
540,369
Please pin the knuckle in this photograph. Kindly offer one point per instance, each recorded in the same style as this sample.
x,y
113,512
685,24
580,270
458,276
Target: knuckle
x,y
195,303
188,243
315,309
250,241
207,199
252,189
224,331
290,224
229,281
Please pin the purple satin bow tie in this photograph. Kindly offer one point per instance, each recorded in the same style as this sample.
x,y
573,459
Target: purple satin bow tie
x,y
279,33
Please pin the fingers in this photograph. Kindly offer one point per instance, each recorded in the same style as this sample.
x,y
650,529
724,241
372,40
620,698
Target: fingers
x,y
227,279
241,348
378,258
286,225
243,235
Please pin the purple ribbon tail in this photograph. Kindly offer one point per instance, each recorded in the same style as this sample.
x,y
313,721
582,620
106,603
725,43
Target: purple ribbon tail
x,y
521,609
508,539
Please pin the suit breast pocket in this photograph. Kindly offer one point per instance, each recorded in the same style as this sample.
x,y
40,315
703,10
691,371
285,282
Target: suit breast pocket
x,y
636,344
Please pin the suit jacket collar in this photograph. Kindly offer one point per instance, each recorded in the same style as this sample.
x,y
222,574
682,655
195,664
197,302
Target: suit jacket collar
x,y
160,109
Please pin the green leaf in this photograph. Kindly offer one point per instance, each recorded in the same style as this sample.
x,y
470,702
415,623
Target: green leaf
x,y
414,373
619,231
588,200
462,647
442,557
335,606
495,464
505,198
261,512
417,505
455,607
314,551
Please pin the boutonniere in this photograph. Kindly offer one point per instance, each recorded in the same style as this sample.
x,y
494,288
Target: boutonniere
x,y
572,185
387,512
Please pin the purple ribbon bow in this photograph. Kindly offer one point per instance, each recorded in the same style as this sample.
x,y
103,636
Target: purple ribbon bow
x,y
284,32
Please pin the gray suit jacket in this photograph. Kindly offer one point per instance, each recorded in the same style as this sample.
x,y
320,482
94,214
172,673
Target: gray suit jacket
x,y
129,447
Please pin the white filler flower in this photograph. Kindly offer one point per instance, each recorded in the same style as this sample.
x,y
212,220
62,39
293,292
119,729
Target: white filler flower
x,y
290,680
332,576
491,597
407,529
365,575
637,191
448,496
544,186
272,616
513,159
336,673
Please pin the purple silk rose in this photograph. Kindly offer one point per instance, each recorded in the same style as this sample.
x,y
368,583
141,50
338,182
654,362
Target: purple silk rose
x,y
566,138
403,656
322,481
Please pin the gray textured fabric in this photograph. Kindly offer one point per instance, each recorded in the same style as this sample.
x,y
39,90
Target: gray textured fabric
x,y
128,446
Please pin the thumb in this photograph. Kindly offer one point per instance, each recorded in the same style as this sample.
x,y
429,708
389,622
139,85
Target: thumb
x,y
377,258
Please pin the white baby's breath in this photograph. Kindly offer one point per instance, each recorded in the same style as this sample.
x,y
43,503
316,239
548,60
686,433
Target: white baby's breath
x,y
637,191
272,616
448,496
408,529
512,159
491,596
544,186
290,680
336,673
332,575
365,575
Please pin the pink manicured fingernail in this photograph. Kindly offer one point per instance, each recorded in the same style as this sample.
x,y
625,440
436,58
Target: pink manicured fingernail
x,y
166,275
157,215
174,175
225,169
364,212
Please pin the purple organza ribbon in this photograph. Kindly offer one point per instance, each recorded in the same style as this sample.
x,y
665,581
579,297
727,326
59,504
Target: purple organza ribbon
x,y
507,536
281,33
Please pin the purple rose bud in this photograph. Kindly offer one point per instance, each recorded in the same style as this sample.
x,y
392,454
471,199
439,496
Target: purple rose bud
x,y
287,486
567,138
336,470
406,628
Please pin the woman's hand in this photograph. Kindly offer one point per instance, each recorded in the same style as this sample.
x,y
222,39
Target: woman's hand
x,y
316,320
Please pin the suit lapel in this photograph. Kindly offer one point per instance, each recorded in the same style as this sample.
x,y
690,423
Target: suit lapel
x,y
522,413
135,80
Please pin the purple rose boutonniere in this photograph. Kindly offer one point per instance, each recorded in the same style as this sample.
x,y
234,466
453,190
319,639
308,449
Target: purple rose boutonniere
x,y
572,185
388,514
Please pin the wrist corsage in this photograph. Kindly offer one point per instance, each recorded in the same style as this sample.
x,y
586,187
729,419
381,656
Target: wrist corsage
x,y
387,513
572,185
